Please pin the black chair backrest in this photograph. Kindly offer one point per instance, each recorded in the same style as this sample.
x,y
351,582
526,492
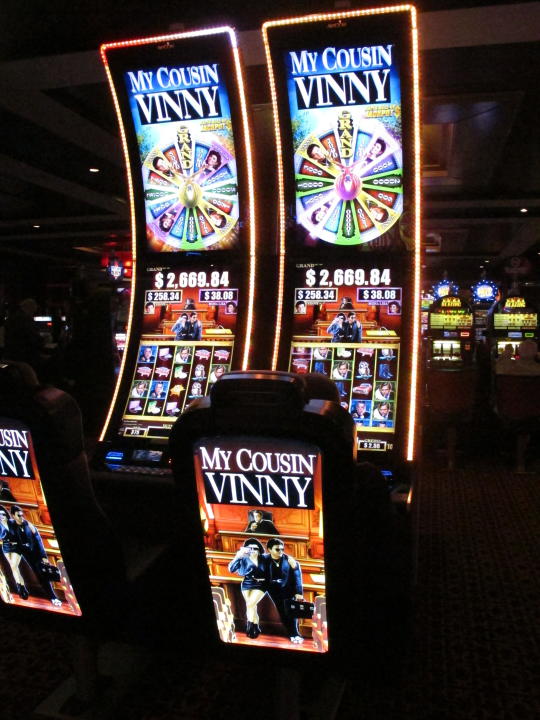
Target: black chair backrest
x,y
275,410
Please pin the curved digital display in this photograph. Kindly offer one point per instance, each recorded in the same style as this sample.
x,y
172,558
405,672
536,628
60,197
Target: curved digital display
x,y
182,120
32,570
346,128
186,343
348,325
261,507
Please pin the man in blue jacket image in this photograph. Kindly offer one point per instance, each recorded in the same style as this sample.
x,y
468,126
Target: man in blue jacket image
x,y
284,582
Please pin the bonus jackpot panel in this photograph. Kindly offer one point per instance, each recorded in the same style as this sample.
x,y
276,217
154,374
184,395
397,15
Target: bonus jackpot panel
x,y
186,344
347,326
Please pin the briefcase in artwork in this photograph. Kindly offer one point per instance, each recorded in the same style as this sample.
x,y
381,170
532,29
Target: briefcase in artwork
x,y
299,608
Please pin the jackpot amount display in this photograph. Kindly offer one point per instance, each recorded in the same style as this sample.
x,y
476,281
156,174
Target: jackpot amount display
x,y
347,326
186,345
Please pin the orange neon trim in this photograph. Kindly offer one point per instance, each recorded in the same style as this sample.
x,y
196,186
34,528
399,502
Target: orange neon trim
x,y
133,238
415,354
281,202
252,203
325,17
250,181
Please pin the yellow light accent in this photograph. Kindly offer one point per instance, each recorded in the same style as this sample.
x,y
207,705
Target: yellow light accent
x,y
326,17
281,200
166,38
133,237
415,355
251,199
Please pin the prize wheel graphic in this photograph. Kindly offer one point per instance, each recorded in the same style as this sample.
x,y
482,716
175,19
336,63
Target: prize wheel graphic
x,y
349,186
191,194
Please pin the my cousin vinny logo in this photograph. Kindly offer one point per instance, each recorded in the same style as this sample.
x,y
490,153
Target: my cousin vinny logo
x,y
168,94
15,460
248,473
341,76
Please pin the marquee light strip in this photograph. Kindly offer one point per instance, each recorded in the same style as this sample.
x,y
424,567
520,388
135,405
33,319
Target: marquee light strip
x,y
133,226
249,172
336,16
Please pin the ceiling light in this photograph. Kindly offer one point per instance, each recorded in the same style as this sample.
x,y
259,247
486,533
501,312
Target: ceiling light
x,y
36,226
94,170
523,210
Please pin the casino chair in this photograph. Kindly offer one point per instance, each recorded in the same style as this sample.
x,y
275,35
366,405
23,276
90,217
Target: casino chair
x,y
450,399
280,405
517,402
117,598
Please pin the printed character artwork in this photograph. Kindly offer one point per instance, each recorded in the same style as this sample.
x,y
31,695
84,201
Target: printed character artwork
x,y
361,412
260,505
347,138
147,354
182,119
33,573
139,389
216,373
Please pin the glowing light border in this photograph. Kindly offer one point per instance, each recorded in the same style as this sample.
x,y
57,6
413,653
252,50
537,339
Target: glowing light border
x,y
248,159
484,283
415,350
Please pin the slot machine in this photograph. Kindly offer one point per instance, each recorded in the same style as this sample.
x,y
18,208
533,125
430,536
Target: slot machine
x,y
345,93
484,295
183,121
513,321
451,338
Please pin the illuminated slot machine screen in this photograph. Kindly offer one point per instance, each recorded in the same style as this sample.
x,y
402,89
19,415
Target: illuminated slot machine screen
x,y
516,321
186,344
345,89
451,332
33,573
347,326
182,114
261,506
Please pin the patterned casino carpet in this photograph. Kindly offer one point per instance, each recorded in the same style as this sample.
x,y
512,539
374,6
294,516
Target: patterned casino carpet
x,y
474,655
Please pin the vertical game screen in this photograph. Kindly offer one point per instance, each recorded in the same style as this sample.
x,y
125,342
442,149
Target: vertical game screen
x,y
260,502
186,344
345,114
347,326
184,133
32,571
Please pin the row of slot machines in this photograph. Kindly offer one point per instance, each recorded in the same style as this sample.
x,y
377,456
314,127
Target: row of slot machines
x,y
345,253
456,328
333,288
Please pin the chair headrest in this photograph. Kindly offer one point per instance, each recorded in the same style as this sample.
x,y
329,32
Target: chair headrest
x,y
16,378
267,390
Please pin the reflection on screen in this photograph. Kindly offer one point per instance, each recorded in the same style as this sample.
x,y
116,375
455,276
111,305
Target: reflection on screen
x,y
32,570
261,508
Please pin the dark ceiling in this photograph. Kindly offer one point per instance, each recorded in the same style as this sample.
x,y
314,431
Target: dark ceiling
x,y
481,114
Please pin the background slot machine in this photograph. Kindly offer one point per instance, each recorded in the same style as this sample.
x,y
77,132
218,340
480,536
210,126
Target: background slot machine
x,y
183,120
484,294
513,320
451,339
345,97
